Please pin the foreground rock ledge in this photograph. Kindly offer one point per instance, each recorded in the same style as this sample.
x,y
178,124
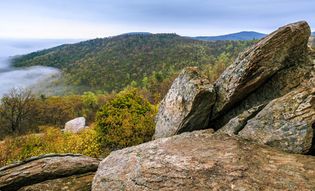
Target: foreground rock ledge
x,y
57,171
202,160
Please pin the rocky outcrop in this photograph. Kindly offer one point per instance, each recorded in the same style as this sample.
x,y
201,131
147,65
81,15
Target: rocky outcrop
x,y
273,67
57,170
75,125
186,106
202,160
282,49
286,122
267,74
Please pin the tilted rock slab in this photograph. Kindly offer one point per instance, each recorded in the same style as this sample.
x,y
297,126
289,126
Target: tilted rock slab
x,y
286,123
273,67
186,106
201,160
43,168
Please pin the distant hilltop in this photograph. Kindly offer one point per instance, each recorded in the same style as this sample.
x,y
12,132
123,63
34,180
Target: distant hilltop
x,y
244,35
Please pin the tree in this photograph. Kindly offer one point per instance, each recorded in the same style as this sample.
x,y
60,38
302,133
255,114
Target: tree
x,y
17,109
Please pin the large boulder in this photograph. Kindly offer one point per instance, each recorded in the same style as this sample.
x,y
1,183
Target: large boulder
x,y
75,125
270,69
187,105
55,169
286,122
202,160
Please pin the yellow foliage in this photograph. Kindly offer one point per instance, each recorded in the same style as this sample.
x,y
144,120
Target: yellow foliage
x,y
52,140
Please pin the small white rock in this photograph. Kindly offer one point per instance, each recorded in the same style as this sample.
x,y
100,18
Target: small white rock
x,y
75,125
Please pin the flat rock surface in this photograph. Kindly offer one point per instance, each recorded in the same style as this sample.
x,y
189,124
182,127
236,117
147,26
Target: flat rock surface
x,y
202,160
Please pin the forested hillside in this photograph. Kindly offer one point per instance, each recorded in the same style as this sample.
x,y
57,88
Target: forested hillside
x,y
113,63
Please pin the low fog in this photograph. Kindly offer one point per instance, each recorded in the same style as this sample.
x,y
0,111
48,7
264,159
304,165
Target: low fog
x,y
23,78
29,77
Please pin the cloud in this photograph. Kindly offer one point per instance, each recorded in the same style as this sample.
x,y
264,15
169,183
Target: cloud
x,y
91,18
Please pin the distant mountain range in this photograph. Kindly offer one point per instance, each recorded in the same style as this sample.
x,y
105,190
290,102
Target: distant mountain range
x,y
245,35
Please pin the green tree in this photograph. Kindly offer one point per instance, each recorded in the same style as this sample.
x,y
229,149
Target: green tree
x,y
89,99
90,103
133,84
145,82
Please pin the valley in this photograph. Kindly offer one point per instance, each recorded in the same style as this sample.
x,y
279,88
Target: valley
x,y
24,77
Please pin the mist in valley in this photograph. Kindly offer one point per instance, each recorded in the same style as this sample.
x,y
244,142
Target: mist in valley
x,y
33,78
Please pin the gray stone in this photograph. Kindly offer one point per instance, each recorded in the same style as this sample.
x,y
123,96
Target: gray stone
x,y
187,105
286,122
235,125
273,67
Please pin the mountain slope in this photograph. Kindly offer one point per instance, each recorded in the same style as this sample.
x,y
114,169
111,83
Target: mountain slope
x,y
112,63
245,35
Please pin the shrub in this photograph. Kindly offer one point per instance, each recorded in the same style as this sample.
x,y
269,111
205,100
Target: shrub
x,y
125,120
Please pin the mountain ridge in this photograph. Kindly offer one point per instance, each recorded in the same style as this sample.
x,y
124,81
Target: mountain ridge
x,y
243,35
113,63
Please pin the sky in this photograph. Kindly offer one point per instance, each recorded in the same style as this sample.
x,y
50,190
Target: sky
x,y
85,19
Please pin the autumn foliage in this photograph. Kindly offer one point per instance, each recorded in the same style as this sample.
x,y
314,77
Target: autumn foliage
x,y
126,120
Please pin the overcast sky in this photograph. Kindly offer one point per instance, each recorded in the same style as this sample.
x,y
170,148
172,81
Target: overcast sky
x,y
100,18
